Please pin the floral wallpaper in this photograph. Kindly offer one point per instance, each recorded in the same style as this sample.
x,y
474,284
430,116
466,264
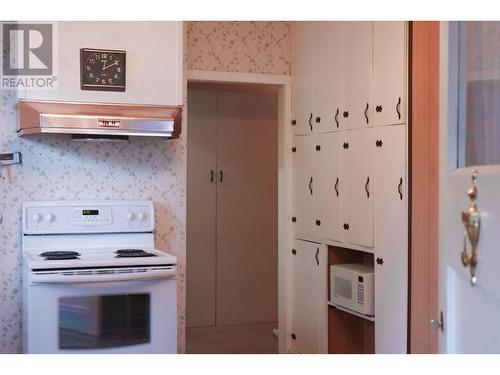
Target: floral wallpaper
x,y
55,167
245,47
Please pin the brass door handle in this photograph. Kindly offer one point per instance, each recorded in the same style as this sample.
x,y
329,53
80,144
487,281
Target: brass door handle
x,y
471,219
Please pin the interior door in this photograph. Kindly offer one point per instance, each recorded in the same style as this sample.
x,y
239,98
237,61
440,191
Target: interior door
x,y
329,188
303,77
358,51
303,188
469,140
201,209
247,217
391,239
357,174
389,77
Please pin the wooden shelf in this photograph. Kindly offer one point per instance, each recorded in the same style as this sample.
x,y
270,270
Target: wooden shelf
x,y
370,318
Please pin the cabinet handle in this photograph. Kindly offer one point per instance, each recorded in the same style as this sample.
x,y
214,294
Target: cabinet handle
x,y
366,187
294,122
318,120
316,256
337,186
398,107
366,113
221,176
294,219
318,222
211,175
380,261
310,124
378,108
346,145
293,336
346,226
318,147
346,114
310,185
400,185
337,117
294,252
378,143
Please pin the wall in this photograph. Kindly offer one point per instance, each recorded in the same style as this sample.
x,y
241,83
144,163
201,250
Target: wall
x,y
55,167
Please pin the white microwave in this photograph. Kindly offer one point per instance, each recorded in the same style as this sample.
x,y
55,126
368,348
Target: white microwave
x,y
352,287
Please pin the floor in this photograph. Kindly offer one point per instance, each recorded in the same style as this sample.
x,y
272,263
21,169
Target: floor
x,y
233,339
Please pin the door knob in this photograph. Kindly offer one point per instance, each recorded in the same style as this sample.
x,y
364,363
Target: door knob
x,y
438,324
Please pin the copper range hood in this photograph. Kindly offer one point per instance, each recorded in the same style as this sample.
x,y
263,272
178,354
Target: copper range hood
x,y
98,120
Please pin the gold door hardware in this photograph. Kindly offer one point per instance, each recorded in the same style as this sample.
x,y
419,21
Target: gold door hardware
x,y
471,219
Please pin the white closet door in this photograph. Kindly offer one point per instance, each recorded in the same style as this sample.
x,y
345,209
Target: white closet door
x,y
303,185
358,50
329,98
391,252
201,210
390,73
302,78
357,171
329,187
308,291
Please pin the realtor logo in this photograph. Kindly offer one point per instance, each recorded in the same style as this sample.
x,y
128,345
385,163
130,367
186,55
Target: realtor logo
x,y
28,56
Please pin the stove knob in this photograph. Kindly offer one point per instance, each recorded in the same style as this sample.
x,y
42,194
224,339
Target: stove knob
x,y
141,216
49,217
37,218
130,216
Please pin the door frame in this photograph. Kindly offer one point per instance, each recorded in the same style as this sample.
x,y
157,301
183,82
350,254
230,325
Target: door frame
x,y
284,172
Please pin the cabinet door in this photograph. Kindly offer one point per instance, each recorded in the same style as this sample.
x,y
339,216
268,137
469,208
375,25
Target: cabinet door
x,y
357,172
303,184
391,252
302,78
358,50
390,73
329,65
329,188
308,292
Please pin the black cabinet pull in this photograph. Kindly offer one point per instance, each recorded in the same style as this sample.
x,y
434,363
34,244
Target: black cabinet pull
x,y
366,113
294,149
345,145
318,120
337,117
211,175
345,114
310,185
294,122
366,187
400,188
346,226
316,256
380,261
378,108
318,148
294,219
337,186
221,176
294,252
378,143
397,108
318,222
293,336
310,124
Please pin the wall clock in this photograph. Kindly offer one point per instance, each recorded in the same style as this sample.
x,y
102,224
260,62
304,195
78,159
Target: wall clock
x,y
102,70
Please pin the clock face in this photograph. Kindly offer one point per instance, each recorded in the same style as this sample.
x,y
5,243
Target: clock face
x,y
102,70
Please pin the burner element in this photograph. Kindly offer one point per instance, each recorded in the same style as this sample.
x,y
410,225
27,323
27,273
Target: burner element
x,y
133,253
61,257
59,254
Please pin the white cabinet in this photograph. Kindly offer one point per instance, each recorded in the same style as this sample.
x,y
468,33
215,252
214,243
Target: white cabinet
x,y
390,73
303,78
357,175
308,294
329,186
391,255
154,61
358,51
303,153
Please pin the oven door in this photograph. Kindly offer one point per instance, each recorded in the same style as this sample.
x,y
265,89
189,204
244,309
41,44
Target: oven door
x,y
105,314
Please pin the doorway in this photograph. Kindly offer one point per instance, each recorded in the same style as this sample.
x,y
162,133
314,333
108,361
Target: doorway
x,y
232,218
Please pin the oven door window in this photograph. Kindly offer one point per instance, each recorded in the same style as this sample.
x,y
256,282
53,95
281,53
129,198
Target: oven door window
x,y
104,321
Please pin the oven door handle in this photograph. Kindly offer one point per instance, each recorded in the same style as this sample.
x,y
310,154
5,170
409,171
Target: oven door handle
x,y
62,277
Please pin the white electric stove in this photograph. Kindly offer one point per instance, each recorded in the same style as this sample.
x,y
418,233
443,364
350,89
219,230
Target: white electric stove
x,y
93,281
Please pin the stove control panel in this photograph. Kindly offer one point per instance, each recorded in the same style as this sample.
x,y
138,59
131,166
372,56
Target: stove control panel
x,y
87,217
